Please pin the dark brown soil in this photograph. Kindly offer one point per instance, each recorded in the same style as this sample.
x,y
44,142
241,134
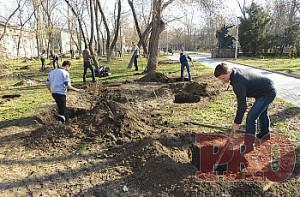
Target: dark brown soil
x,y
154,77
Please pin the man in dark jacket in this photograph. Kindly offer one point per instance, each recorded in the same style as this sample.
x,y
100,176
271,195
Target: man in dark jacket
x,y
87,64
249,84
184,61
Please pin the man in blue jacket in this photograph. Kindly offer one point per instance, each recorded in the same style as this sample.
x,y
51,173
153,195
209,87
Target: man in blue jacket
x,y
184,61
58,82
249,84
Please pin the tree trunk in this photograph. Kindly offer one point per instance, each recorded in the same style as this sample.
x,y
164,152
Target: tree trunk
x,y
98,31
108,55
157,28
92,34
109,47
117,28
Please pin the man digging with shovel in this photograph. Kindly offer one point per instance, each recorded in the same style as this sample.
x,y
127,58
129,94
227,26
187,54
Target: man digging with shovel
x,y
249,84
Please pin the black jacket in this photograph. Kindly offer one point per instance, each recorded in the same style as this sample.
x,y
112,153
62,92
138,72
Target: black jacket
x,y
249,84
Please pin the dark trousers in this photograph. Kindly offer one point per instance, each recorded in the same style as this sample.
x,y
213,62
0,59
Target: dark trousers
x,y
60,100
55,63
135,61
43,64
86,65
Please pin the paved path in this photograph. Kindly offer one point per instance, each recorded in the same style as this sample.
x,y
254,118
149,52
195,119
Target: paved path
x,y
288,88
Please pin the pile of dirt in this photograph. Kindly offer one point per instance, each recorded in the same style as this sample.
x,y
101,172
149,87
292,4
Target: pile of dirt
x,y
189,92
168,62
119,121
154,77
110,121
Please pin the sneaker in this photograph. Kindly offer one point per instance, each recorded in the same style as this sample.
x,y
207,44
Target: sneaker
x,y
61,118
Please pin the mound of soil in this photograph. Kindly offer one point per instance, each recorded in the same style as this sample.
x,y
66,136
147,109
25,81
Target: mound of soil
x,y
109,120
154,77
189,92
168,62
119,120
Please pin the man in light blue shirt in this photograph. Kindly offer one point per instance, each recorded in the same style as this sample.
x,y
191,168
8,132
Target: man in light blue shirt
x,y
58,82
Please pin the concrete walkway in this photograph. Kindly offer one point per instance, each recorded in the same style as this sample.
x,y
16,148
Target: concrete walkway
x,y
288,88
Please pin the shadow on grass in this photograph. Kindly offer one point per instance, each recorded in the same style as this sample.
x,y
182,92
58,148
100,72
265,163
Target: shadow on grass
x,y
285,114
22,122
33,87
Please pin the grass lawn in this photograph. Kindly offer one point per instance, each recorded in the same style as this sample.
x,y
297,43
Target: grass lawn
x,y
285,65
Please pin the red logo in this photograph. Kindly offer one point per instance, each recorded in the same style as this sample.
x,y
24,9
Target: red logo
x,y
223,157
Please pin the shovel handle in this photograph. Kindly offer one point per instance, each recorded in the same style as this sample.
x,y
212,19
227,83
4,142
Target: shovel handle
x,y
190,122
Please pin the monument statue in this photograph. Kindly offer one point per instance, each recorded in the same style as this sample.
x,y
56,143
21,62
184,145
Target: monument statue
x,y
225,41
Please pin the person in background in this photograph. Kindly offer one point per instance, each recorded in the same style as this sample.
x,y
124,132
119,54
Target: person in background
x,y
87,63
184,61
136,54
43,57
58,82
54,59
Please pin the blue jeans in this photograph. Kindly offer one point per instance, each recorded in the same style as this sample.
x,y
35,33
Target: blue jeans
x,y
186,64
259,111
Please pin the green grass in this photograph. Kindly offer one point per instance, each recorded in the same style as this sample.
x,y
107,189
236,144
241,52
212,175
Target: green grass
x,y
282,65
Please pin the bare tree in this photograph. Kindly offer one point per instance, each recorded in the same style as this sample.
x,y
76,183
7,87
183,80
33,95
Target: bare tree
x,y
21,26
110,45
92,5
79,20
137,26
158,26
7,20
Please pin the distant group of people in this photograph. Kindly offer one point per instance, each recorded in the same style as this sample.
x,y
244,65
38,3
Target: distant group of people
x,y
53,58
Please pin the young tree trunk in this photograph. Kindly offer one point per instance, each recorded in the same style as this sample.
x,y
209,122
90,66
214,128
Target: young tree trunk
x,y
117,29
98,31
108,54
